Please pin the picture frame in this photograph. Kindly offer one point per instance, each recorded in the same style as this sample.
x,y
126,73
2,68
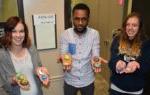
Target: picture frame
x,y
45,31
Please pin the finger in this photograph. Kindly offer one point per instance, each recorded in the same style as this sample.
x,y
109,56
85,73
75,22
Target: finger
x,y
122,71
59,60
24,87
118,65
46,82
41,70
134,68
45,70
97,70
92,61
64,67
68,67
128,70
103,60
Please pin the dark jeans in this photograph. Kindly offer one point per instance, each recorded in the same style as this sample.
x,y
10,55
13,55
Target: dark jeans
x,y
113,92
70,90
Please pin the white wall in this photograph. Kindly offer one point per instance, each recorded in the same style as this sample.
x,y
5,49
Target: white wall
x,y
48,57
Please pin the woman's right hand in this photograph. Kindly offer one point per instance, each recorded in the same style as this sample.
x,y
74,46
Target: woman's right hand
x,y
24,87
120,66
15,81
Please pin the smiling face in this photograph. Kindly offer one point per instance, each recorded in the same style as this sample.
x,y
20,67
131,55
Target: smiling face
x,y
80,20
132,27
18,35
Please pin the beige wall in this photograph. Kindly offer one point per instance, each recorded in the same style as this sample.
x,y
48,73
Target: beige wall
x,y
109,18
106,15
48,57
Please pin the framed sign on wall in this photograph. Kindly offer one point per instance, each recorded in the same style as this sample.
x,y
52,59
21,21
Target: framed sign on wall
x,y
44,31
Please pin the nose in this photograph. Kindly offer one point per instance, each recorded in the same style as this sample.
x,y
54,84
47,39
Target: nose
x,y
80,21
17,33
130,26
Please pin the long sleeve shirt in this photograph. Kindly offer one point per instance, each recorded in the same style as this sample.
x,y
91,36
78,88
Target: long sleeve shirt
x,y
134,81
82,48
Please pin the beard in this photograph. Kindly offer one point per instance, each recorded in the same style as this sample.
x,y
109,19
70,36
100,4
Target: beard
x,y
81,31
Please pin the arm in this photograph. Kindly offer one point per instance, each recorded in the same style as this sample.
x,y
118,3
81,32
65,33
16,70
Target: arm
x,y
2,75
144,58
38,66
141,64
95,51
35,56
64,50
115,57
3,92
96,45
63,44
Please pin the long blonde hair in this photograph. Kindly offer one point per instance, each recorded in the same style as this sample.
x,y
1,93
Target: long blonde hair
x,y
131,47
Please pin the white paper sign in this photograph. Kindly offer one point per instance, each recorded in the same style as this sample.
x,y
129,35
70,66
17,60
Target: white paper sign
x,y
45,35
44,19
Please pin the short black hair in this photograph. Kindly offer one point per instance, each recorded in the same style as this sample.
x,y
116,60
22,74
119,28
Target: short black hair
x,y
81,6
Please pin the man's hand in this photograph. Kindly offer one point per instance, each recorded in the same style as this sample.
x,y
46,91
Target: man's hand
x,y
96,64
66,61
67,67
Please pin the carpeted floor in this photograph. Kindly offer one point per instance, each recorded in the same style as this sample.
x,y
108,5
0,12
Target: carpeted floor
x,y
102,81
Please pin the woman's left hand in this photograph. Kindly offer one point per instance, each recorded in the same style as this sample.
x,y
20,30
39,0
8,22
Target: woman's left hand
x,y
132,67
43,72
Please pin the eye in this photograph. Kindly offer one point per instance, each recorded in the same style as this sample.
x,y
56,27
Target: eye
x,y
135,25
13,30
80,19
84,19
21,31
76,18
127,24
18,31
